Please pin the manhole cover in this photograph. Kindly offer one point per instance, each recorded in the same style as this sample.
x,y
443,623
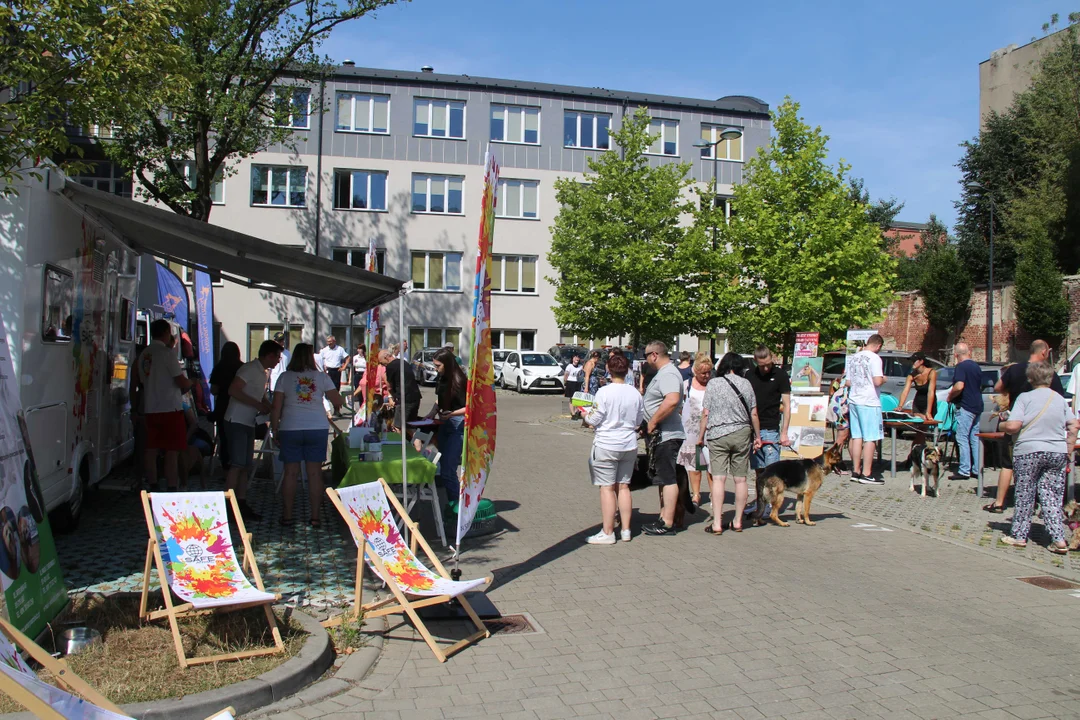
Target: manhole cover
x,y
511,625
1049,582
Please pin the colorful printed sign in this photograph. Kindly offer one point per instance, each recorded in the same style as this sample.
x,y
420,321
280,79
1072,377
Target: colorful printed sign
x,y
480,422
855,341
806,374
367,505
806,431
196,547
172,295
371,376
806,344
30,577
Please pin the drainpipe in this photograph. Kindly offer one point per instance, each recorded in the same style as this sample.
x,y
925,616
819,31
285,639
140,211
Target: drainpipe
x,y
318,198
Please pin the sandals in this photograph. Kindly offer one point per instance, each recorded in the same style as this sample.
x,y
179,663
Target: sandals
x,y
709,531
994,508
731,526
1058,549
1011,541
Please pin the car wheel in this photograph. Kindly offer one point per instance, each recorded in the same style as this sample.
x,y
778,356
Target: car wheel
x,y
65,519
519,386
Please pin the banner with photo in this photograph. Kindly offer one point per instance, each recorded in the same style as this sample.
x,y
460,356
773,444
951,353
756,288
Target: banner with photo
x,y
30,576
806,431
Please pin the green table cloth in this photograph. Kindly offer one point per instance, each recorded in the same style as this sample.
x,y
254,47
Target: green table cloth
x,y
421,470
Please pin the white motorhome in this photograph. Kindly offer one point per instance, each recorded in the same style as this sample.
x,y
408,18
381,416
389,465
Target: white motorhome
x,y
68,292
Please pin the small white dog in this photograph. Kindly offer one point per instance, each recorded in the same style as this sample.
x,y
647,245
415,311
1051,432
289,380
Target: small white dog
x,y
925,466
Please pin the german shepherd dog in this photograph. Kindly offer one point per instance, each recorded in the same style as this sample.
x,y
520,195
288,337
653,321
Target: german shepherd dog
x,y
925,466
802,477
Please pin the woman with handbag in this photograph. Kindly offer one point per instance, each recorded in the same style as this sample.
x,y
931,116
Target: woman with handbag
x,y
729,423
694,456
1045,430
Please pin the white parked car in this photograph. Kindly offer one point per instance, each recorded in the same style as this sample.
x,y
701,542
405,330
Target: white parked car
x,y
498,357
525,371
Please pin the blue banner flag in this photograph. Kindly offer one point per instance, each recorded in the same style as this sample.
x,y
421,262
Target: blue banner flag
x,y
204,325
172,295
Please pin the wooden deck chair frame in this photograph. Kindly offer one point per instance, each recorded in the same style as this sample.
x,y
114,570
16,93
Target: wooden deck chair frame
x,y
65,678
183,610
400,602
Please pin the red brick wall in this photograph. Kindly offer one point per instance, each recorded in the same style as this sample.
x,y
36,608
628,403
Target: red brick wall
x,y
906,328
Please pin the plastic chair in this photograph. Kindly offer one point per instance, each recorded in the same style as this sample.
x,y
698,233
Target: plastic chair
x,y
945,414
889,403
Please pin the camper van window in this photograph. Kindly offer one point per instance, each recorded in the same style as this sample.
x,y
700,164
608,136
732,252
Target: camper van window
x,y
56,318
127,319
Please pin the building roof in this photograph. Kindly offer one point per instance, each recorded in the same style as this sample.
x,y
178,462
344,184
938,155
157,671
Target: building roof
x,y
901,225
743,104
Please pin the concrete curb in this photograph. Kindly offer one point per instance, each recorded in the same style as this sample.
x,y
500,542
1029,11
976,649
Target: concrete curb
x,y
289,677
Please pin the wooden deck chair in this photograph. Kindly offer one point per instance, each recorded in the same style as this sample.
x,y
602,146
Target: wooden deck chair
x,y
366,510
19,682
192,549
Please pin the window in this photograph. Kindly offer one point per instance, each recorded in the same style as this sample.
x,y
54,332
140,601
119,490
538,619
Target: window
x,y
187,274
420,338
217,188
437,194
257,334
513,339
127,319
277,185
513,274
439,118
567,337
518,199
586,130
291,106
726,150
666,137
511,123
436,271
56,318
107,177
359,190
348,336
358,258
363,113
724,203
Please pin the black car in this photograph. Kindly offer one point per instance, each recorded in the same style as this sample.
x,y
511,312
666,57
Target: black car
x,y
565,353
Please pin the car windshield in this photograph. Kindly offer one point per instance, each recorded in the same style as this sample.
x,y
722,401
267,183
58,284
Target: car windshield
x,y
538,359
834,364
500,355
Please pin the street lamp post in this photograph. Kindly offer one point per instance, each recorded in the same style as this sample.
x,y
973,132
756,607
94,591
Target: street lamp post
x,y
990,288
730,133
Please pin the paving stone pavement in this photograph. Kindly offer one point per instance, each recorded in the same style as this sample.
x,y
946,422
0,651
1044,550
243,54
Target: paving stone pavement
x,y
849,619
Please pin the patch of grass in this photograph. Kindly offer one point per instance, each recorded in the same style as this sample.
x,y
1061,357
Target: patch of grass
x,y
955,527
348,637
137,662
926,528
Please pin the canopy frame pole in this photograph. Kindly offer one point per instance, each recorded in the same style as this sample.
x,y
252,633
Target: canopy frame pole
x,y
403,351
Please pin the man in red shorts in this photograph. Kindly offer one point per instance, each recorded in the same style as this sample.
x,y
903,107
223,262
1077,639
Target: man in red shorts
x,y
163,382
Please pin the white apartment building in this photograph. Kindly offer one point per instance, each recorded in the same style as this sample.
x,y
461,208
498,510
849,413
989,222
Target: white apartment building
x,y
397,157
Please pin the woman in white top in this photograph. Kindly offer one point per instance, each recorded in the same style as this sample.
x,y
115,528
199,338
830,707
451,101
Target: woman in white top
x,y
695,401
616,415
299,425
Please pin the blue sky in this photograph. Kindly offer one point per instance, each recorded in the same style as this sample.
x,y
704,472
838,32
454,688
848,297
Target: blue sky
x,y
894,85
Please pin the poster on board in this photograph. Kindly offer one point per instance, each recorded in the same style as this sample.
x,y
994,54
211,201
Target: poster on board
x,y
806,431
855,341
806,344
30,577
806,374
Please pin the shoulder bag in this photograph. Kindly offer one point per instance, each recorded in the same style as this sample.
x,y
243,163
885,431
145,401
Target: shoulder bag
x,y
746,405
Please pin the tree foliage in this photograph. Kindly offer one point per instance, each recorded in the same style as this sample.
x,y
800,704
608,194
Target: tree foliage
x,y
809,256
942,279
74,63
625,261
881,213
1042,307
1031,148
223,101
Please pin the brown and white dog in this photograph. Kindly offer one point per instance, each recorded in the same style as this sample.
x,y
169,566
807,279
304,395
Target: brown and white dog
x,y
802,477
925,466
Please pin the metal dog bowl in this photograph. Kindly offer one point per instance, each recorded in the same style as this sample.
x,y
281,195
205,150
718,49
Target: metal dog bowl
x,y
77,639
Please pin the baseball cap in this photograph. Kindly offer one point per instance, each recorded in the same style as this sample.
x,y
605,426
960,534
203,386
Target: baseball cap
x,y
278,337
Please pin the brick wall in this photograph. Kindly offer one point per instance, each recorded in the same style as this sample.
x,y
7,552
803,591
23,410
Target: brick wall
x,y
906,328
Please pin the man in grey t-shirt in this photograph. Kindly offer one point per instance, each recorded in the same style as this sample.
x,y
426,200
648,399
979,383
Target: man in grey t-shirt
x,y
663,413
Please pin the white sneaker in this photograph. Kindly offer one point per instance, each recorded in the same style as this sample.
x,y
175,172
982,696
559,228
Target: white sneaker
x,y
601,538
626,536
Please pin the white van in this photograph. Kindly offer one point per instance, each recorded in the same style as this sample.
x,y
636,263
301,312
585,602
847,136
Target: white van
x,y
68,294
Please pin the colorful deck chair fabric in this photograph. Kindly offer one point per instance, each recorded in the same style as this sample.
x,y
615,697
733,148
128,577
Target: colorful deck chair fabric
x,y
366,510
22,684
197,549
192,549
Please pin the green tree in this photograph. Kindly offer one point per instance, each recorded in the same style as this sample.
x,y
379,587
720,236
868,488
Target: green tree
x,y
880,213
909,270
1042,307
230,94
624,260
942,278
75,63
810,257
